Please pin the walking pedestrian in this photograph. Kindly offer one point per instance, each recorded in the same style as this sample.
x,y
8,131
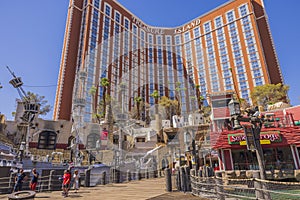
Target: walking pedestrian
x,y
19,179
34,179
76,177
66,182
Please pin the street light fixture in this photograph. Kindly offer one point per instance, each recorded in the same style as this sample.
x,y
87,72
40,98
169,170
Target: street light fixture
x,y
21,149
235,112
252,131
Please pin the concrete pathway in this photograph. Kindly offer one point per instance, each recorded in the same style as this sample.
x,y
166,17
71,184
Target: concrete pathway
x,y
151,189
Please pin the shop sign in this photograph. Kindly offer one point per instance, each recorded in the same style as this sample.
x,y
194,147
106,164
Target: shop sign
x,y
272,136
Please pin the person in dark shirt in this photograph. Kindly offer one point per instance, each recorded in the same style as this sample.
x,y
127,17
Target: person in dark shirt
x,y
34,179
19,179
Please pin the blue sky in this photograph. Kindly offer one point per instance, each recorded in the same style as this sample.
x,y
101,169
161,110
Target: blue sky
x,y
32,31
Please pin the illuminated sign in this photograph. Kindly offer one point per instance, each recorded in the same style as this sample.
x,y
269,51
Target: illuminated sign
x,y
273,136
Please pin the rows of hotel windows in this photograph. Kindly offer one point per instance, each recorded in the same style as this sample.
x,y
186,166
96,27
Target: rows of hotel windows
x,y
213,65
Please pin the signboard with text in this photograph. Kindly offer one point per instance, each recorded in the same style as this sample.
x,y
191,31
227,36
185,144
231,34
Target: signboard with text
x,y
265,138
250,138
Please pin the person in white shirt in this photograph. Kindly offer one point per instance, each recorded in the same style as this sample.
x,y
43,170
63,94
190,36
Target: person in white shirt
x,y
76,177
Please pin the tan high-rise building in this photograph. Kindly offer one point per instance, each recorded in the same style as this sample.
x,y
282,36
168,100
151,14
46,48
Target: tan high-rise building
x,y
228,48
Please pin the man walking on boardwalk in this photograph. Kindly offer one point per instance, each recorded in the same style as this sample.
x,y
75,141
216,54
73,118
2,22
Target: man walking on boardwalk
x,y
19,179
34,179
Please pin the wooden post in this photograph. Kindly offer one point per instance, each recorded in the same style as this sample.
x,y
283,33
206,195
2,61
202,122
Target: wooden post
x,y
258,194
168,178
219,186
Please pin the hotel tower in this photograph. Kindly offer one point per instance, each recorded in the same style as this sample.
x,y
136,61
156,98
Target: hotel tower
x,y
229,48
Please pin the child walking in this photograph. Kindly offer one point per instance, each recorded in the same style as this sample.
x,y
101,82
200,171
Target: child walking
x,y
76,177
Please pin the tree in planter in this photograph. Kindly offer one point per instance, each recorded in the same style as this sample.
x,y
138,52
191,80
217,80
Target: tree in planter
x,y
104,83
265,95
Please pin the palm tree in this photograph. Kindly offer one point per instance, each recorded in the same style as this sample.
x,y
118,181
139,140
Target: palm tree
x,y
200,98
155,95
104,83
92,92
178,96
138,101
35,98
170,106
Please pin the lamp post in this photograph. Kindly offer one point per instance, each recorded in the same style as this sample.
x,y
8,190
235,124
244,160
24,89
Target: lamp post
x,y
116,177
21,149
190,146
235,112
252,131
121,119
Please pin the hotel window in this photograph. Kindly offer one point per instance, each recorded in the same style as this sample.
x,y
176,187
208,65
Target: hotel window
x,y
160,74
230,16
224,59
245,20
170,67
200,62
197,32
151,67
207,27
247,27
258,81
107,10
243,10
218,22
222,44
134,38
253,57
240,70
255,65
210,49
232,26
248,34
235,39
256,73
242,77
237,54
223,51
96,3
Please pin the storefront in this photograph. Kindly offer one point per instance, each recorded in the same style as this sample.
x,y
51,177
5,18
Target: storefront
x,y
280,149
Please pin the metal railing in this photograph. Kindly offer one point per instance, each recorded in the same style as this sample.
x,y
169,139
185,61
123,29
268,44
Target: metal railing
x,y
90,178
218,187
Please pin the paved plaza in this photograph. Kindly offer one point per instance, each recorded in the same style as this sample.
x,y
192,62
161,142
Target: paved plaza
x,y
150,189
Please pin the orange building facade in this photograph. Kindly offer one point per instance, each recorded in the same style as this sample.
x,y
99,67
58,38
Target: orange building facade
x,y
229,48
